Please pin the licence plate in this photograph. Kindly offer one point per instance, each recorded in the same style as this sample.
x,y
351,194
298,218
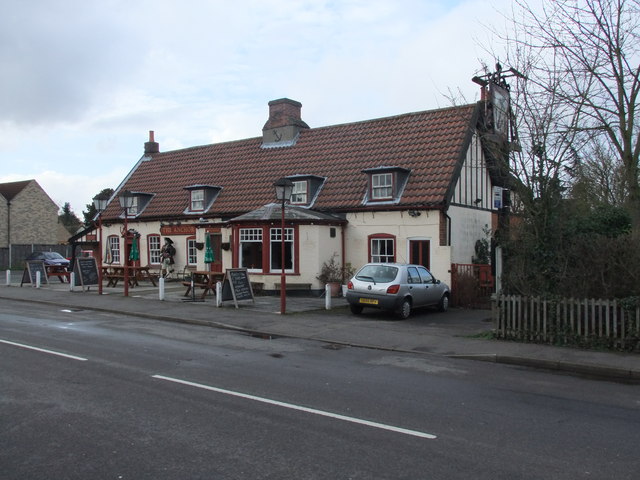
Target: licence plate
x,y
369,301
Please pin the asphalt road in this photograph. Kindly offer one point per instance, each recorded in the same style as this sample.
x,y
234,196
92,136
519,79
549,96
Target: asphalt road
x,y
132,398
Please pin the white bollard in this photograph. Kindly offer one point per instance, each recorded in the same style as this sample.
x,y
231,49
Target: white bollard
x,y
327,296
218,294
161,288
37,279
8,277
72,281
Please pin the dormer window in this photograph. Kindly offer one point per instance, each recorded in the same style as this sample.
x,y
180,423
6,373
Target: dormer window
x,y
139,201
386,184
201,197
132,211
299,193
306,189
382,186
197,200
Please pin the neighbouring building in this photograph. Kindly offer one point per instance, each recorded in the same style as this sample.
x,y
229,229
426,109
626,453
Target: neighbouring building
x,y
419,187
28,217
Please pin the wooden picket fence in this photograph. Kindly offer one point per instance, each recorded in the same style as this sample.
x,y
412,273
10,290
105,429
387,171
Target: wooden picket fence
x,y
589,323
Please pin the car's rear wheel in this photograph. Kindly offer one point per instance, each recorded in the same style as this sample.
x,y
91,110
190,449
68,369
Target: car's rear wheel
x,y
404,310
356,309
443,306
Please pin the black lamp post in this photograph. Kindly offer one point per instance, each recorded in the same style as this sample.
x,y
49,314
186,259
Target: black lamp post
x,y
284,187
127,198
100,202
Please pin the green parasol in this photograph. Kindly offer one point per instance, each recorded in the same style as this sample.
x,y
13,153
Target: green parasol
x,y
208,251
134,254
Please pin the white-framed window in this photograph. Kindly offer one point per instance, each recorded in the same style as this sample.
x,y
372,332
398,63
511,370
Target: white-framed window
x,y
192,252
381,186
114,248
132,211
299,194
154,249
382,249
276,250
251,249
197,200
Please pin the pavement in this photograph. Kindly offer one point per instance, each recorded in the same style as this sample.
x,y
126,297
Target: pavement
x,y
457,333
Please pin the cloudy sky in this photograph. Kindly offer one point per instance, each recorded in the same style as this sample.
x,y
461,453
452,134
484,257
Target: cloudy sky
x,y
82,82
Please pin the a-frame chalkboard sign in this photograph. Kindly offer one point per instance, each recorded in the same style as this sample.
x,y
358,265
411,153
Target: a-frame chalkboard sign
x,y
31,269
236,286
86,272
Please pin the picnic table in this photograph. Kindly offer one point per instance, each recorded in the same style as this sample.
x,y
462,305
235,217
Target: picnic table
x,y
114,274
59,271
203,279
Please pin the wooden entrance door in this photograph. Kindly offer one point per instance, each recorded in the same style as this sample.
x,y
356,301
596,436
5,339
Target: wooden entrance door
x,y
216,246
419,252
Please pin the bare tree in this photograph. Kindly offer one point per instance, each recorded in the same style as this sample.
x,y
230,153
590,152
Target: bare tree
x,y
599,180
584,56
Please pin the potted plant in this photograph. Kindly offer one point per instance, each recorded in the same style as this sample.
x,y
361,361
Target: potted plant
x,y
331,274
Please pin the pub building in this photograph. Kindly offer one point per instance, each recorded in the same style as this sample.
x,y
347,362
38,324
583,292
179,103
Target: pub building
x,y
419,187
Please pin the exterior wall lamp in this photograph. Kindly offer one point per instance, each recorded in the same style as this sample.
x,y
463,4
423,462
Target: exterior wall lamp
x,y
127,200
284,188
100,201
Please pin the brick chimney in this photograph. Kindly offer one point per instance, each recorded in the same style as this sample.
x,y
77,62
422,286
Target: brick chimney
x,y
284,123
151,146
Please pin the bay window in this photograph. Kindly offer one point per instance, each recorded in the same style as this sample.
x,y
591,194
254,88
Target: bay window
x,y
276,250
251,249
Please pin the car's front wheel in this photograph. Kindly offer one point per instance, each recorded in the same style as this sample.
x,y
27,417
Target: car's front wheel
x,y
404,310
356,309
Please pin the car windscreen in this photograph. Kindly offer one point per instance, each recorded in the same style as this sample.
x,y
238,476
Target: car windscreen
x,y
52,255
377,273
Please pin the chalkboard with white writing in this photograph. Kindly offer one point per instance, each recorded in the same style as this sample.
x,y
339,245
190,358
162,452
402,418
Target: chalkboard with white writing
x,y
236,285
31,269
86,271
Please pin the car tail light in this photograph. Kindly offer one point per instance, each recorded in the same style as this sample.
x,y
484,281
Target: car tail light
x,y
350,285
393,289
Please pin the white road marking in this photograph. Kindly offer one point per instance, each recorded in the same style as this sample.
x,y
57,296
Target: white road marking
x,y
51,352
291,406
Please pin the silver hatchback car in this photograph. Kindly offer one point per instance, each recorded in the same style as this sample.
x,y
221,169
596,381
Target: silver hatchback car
x,y
396,287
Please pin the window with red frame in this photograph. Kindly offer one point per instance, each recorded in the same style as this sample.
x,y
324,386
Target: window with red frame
x,y
192,252
382,248
153,242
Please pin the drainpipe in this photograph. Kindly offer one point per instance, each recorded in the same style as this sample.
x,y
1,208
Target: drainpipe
x,y
344,248
446,215
9,231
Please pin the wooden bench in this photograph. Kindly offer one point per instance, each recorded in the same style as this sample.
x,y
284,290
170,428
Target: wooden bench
x,y
299,287
58,271
206,288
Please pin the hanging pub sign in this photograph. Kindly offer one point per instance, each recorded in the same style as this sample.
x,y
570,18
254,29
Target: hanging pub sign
x,y
500,102
178,230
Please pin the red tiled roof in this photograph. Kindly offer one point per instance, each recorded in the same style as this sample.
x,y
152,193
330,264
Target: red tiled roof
x,y
431,144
